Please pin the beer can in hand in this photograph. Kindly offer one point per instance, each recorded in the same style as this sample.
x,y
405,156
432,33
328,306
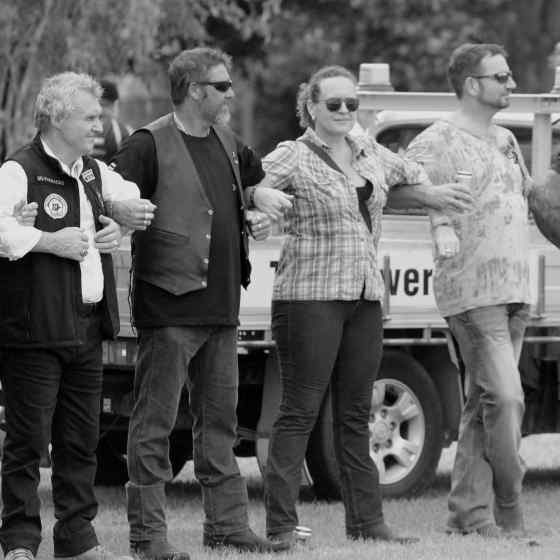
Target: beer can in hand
x,y
463,176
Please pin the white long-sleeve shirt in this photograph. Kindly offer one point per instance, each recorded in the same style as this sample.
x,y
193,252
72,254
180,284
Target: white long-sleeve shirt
x,y
17,240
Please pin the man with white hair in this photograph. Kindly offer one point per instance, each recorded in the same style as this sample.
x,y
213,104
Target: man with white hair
x,y
58,301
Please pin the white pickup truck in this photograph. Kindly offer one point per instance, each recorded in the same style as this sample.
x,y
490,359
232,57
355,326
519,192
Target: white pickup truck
x,y
417,399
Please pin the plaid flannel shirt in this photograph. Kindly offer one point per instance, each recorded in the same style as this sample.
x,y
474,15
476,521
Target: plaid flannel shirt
x,y
329,252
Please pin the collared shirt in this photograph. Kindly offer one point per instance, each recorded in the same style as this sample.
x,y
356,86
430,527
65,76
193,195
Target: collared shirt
x,y
492,266
329,252
17,240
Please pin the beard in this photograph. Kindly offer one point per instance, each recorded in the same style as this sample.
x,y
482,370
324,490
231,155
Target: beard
x,y
223,116
498,103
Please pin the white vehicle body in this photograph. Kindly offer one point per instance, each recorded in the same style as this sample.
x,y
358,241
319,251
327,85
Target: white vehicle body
x,y
417,400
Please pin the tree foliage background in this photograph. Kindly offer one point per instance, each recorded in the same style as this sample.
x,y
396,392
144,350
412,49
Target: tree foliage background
x,y
276,44
41,37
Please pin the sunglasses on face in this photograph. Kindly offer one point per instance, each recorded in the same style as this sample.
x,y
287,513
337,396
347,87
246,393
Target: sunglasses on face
x,y
222,86
333,104
500,77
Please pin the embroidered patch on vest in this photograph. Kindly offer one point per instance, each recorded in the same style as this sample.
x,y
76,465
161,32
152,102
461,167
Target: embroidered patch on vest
x,y
43,179
55,206
87,176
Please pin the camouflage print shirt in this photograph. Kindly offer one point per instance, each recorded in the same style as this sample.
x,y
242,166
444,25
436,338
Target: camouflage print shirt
x,y
492,266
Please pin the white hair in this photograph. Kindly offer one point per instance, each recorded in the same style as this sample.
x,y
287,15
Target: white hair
x,y
55,100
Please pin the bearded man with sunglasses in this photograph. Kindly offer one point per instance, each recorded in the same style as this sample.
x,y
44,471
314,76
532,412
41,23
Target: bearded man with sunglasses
x,y
481,285
187,271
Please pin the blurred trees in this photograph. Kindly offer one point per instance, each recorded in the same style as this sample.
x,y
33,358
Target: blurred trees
x,y
415,37
41,37
276,44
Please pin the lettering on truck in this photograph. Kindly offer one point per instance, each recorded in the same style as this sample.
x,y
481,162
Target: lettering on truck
x,y
411,281
411,276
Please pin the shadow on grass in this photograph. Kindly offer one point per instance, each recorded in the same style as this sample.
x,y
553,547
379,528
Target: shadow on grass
x,y
190,489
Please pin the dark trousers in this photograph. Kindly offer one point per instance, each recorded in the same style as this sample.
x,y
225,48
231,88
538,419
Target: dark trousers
x,y
321,343
52,395
205,358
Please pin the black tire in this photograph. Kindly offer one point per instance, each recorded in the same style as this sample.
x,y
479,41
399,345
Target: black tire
x,y
407,453
111,456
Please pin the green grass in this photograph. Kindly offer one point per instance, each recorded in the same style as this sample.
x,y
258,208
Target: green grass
x,y
424,517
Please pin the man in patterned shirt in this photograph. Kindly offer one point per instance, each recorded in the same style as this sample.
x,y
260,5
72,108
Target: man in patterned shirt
x,y
481,285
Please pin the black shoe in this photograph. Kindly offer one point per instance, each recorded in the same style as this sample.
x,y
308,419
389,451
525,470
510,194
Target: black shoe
x,y
246,541
156,550
383,533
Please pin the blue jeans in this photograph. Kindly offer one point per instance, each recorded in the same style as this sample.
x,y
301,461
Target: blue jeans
x,y
487,466
322,343
205,358
52,395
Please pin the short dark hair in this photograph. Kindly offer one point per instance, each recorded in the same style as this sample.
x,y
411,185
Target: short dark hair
x,y
310,90
110,92
464,62
190,66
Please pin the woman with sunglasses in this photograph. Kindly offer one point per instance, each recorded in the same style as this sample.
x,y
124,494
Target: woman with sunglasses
x,y
326,311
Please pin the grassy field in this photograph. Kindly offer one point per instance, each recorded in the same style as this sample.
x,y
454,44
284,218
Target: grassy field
x,y
424,517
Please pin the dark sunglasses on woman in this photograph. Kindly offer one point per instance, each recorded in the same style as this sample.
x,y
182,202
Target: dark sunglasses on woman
x,y
333,104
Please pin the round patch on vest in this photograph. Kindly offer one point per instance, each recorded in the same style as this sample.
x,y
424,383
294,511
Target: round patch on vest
x,y
55,206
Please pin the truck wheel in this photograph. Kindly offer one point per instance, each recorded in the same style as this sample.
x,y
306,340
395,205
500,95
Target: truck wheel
x,y
111,456
406,432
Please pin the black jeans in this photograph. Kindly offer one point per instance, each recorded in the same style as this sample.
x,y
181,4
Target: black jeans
x,y
52,395
321,343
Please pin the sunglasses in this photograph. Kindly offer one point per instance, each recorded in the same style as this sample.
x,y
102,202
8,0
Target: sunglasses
x,y
333,104
222,86
500,77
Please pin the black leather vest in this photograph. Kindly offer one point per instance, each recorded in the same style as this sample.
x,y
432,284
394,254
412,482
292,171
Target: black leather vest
x,y
172,252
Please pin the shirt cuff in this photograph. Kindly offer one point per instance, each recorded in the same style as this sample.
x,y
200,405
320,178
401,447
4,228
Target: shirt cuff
x,y
16,244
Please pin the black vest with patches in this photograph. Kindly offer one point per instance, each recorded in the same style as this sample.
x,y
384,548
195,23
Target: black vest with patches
x,y
41,292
